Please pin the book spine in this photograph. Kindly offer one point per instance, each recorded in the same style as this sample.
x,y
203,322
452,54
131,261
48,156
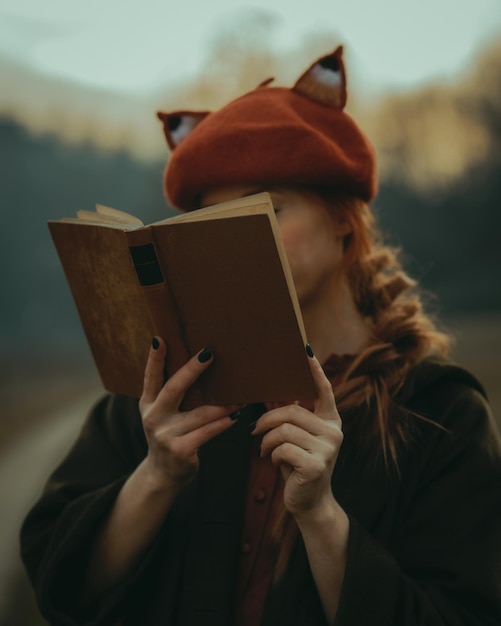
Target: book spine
x,y
158,296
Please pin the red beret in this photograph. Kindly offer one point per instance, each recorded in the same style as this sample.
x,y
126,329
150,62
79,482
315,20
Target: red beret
x,y
272,136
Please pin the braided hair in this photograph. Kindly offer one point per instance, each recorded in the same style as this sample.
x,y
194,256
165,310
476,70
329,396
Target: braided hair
x,y
402,335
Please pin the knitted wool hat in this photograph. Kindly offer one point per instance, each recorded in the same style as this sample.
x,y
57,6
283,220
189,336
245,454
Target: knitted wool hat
x,y
272,136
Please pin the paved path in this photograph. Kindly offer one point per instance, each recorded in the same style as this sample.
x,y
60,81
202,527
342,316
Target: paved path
x,y
24,468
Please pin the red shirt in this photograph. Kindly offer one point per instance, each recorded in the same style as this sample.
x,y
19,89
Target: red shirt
x,y
264,501
258,550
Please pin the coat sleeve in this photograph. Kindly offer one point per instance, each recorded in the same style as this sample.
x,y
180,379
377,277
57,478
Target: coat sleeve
x,y
443,564
58,533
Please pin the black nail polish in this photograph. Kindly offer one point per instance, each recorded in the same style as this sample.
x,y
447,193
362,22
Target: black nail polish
x,y
155,344
205,355
252,426
309,351
235,415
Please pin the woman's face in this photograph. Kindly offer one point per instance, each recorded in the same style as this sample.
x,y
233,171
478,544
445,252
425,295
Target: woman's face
x,y
312,238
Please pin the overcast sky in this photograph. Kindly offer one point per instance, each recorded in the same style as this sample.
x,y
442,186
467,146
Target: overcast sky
x,y
135,46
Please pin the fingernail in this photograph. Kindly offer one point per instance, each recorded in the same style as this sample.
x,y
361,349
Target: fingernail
x,y
235,415
155,344
309,351
205,355
252,426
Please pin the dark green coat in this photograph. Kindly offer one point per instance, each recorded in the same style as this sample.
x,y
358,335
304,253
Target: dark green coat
x,y
424,547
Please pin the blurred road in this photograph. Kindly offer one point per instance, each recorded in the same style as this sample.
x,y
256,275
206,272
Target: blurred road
x,y
478,349
24,468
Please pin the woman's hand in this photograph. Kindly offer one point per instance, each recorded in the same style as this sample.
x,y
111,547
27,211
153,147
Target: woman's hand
x,y
305,445
174,437
148,494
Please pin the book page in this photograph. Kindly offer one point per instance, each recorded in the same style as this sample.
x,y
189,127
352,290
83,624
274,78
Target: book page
x,y
247,205
106,216
91,219
117,216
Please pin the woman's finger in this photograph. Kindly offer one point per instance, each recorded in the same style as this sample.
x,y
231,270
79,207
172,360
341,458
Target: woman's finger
x,y
154,371
289,433
291,455
291,414
325,404
197,418
173,391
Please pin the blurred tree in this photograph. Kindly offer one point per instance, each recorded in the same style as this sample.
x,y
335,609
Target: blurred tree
x,y
44,178
440,156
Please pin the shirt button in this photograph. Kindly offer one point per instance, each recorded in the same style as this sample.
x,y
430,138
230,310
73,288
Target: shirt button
x,y
260,496
246,548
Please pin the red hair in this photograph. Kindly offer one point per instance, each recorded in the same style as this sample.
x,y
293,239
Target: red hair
x,y
402,335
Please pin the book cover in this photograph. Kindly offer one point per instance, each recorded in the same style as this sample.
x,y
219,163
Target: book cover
x,y
217,277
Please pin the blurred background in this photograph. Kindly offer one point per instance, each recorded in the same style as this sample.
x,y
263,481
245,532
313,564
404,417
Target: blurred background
x,y
79,87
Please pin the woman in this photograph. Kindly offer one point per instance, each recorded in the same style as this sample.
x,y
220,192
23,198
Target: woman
x,y
377,505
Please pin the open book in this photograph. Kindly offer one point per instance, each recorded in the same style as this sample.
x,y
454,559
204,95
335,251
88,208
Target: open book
x,y
217,277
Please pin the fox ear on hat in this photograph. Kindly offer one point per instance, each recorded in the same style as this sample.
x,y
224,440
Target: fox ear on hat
x,y
178,125
325,80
